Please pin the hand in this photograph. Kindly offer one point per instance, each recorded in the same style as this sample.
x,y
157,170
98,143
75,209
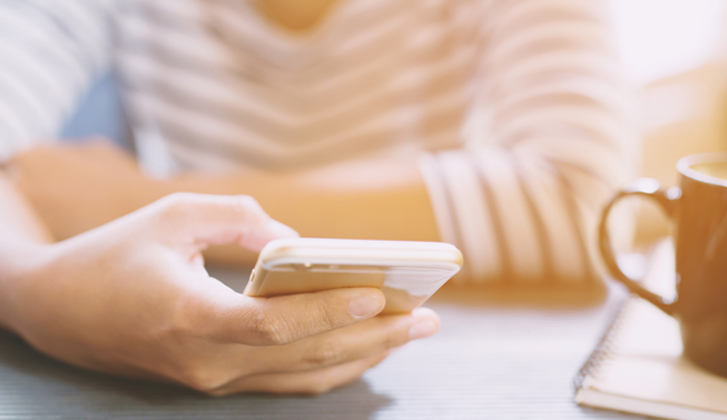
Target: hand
x,y
133,298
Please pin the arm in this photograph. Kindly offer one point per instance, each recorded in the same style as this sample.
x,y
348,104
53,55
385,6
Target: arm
x,y
376,200
137,286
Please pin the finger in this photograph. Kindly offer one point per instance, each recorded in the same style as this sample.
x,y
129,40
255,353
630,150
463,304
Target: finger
x,y
348,344
195,221
310,382
233,318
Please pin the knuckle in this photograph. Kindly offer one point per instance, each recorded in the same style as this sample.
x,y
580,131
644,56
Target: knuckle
x,y
321,384
273,334
269,330
247,205
202,379
177,205
318,389
395,339
220,392
179,199
248,201
326,354
325,316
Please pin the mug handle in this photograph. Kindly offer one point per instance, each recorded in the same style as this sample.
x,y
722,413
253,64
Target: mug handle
x,y
667,199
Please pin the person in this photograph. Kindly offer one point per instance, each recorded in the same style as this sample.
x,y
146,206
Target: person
x,y
498,126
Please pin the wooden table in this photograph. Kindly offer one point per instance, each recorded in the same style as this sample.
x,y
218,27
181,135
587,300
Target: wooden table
x,y
497,361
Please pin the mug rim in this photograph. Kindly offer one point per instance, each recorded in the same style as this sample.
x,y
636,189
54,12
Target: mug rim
x,y
684,166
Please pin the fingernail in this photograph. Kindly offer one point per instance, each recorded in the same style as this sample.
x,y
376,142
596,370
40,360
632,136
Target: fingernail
x,y
280,230
365,306
421,329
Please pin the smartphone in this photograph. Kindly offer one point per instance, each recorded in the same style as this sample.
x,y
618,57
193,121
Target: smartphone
x,y
408,273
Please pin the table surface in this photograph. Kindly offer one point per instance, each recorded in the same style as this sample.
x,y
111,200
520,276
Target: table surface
x,y
494,360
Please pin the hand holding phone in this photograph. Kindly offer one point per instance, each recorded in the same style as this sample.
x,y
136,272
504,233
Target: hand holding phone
x,y
408,273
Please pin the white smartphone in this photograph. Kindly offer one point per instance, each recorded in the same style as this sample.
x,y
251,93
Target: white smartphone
x,y
407,272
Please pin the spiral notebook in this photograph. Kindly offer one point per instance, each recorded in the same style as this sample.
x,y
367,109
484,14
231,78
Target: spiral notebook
x,y
638,367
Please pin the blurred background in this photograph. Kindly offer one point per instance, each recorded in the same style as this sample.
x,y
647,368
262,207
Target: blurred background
x,y
675,51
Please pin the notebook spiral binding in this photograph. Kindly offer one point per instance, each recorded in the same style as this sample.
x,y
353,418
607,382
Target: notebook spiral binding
x,y
602,349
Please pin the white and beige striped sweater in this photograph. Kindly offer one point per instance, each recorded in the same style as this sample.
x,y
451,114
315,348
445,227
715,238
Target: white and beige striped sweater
x,y
517,107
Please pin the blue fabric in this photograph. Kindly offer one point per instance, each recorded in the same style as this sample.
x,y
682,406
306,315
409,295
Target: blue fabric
x,y
100,113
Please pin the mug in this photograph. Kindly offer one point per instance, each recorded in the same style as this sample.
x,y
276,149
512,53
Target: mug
x,y
698,207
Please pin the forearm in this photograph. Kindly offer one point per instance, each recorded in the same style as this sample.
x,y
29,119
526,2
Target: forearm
x,y
371,200
81,187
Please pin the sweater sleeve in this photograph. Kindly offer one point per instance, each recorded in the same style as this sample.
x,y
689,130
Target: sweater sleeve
x,y
553,139
50,51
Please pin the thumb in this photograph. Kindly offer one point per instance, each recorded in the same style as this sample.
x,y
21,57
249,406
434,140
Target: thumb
x,y
199,220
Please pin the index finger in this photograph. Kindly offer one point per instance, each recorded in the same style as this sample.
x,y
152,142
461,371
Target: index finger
x,y
199,220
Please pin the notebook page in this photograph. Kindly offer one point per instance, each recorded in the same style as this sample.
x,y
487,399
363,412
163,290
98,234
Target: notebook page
x,y
643,361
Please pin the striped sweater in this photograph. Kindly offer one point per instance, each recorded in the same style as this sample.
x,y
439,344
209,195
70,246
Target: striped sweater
x,y
516,108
